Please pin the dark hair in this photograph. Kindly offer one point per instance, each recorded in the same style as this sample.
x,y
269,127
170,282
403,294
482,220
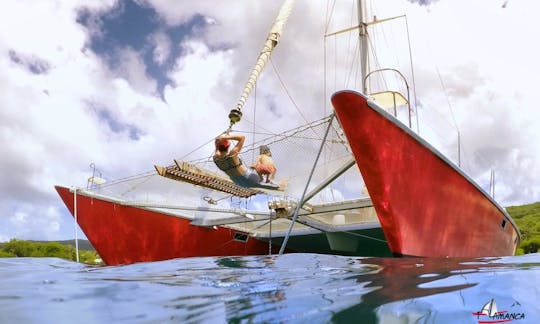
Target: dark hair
x,y
263,149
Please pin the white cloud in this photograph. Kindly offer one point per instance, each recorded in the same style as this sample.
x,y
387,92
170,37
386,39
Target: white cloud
x,y
483,53
30,222
162,49
132,70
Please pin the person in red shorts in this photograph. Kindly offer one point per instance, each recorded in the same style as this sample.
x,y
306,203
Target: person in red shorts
x,y
227,160
264,165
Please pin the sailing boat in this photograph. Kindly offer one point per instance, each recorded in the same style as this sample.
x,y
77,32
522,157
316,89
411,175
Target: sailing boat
x,y
132,220
426,204
152,217
125,226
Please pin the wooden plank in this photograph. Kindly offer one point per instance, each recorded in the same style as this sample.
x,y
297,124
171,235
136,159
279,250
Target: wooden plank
x,y
185,172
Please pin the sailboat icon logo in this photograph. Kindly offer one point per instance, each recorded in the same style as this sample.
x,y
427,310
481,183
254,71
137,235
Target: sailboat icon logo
x,y
490,314
489,308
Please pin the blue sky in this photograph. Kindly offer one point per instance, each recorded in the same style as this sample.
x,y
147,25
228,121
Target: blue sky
x,y
133,25
128,84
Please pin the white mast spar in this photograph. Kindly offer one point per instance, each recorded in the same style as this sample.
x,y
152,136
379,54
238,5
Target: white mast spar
x,y
363,34
364,42
271,42
387,99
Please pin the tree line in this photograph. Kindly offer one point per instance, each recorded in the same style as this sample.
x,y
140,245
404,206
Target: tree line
x,y
21,248
527,218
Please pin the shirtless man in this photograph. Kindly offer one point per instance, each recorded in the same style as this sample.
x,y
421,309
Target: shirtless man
x,y
228,161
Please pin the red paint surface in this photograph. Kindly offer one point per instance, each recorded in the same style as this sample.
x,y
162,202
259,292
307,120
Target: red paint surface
x,y
426,208
125,235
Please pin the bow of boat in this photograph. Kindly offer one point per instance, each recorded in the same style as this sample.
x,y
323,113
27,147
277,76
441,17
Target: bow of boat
x,y
427,206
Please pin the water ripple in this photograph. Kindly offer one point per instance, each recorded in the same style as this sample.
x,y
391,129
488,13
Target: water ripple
x,y
290,288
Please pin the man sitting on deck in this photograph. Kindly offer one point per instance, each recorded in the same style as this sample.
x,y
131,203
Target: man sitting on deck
x,y
229,162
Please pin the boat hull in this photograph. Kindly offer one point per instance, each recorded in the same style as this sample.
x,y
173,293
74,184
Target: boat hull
x,y
426,206
366,242
126,234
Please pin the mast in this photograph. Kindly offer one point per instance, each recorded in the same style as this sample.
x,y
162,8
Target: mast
x,y
363,34
271,42
392,98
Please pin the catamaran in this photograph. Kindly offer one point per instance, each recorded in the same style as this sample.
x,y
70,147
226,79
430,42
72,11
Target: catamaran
x,y
186,210
190,209
419,203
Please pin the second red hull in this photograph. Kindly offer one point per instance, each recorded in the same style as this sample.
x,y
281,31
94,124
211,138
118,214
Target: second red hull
x,y
426,206
124,235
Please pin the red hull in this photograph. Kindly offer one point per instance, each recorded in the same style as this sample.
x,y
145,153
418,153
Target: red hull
x,y
426,206
125,235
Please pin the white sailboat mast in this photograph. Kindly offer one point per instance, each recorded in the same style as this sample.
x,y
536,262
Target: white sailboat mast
x,y
363,34
271,42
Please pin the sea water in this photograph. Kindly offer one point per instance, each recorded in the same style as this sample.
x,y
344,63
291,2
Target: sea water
x,y
292,288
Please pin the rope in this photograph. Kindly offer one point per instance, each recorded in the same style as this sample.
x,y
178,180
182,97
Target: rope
x,y
364,236
75,214
287,91
254,122
274,138
301,202
412,75
329,17
300,141
270,236
199,147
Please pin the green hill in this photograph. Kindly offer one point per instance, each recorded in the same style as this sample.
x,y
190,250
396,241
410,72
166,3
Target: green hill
x,y
60,249
83,244
527,218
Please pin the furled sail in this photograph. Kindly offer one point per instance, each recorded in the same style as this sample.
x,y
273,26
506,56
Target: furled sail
x,y
271,42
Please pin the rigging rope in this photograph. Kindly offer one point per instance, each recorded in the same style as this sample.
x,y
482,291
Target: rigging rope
x,y
301,201
412,75
287,91
254,123
293,145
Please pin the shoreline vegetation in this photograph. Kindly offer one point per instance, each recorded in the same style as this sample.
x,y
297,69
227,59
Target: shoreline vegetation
x,y
526,217
55,249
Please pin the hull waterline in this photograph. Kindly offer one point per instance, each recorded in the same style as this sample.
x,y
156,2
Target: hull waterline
x,y
127,234
427,206
124,234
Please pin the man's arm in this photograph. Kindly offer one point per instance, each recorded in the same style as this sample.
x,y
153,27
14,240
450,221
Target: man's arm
x,y
238,138
240,143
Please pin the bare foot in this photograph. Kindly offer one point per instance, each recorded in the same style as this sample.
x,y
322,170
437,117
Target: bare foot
x,y
283,184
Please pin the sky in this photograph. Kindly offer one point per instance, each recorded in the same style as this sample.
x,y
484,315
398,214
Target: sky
x,y
124,85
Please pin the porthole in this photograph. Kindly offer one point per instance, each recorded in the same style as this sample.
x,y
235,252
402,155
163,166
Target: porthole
x,y
241,237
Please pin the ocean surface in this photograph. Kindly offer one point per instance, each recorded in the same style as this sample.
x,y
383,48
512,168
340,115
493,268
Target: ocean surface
x,y
292,288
